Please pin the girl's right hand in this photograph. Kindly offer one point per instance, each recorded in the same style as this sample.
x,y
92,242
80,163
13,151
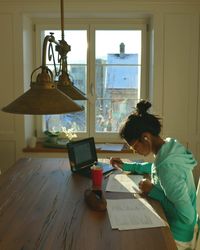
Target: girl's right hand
x,y
116,162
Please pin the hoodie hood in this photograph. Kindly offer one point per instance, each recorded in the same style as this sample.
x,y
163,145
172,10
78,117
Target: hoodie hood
x,y
174,152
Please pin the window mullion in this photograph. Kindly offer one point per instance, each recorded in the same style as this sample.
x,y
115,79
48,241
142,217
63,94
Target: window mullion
x,y
91,81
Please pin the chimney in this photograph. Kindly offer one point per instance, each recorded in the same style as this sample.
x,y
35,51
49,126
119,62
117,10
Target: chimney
x,y
122,49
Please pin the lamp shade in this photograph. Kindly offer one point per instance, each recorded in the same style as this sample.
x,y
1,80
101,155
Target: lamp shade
x,y
43,98
66,86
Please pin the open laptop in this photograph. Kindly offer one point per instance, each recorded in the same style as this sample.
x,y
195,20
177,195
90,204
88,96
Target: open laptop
x,y
82,156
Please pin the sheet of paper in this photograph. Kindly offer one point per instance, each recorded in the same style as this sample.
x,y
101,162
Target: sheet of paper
x,y
126,214
110,147
124,183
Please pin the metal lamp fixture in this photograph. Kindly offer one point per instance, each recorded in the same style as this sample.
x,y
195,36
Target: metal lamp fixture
x,y
64,83
44,97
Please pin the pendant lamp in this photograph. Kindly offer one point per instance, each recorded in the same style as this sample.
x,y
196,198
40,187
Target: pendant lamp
x,y
44,97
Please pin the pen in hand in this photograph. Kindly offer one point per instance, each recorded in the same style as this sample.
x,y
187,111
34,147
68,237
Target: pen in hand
x,y
116,162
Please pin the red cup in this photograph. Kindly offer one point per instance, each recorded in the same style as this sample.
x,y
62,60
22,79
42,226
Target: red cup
x,y
97,177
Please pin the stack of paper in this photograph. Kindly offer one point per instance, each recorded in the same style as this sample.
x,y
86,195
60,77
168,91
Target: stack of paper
x,y
125,214
124,183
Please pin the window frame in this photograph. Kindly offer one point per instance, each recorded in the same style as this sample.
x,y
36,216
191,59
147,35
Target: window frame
x,y
90,25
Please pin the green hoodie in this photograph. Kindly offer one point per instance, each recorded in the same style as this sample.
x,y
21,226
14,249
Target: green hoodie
x,y
173,187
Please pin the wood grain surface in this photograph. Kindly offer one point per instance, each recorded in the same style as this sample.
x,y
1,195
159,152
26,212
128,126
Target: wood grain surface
x,y
42,207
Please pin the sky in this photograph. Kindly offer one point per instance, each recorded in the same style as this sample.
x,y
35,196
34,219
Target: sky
x,y
107,42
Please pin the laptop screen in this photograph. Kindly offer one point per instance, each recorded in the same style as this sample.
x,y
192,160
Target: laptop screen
x,y
82,153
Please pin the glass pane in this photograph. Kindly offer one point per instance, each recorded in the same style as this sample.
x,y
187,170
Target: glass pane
x,y
118,44
118,76
110,113
77,70
75,121
78,74
115,78
78,53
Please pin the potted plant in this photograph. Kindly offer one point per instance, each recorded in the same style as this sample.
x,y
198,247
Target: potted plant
x,y
60,137
52,136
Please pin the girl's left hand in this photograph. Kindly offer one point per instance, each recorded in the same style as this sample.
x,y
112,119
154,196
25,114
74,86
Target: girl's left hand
x,y
145,185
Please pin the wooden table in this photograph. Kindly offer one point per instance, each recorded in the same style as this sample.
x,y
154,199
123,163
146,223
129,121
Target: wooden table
x,y
42,207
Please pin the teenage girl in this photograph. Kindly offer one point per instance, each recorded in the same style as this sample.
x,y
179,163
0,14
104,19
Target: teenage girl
x,y
172,182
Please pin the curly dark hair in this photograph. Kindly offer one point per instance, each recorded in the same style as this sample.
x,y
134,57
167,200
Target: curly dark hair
x,y
139,122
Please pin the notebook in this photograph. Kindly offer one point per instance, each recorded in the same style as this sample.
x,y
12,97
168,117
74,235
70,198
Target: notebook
x,y
82,155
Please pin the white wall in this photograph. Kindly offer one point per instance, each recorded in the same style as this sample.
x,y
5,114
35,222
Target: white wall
x,y
175,65
7,90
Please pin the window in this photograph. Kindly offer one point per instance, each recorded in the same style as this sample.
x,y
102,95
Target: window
x,y
77,69
108,63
